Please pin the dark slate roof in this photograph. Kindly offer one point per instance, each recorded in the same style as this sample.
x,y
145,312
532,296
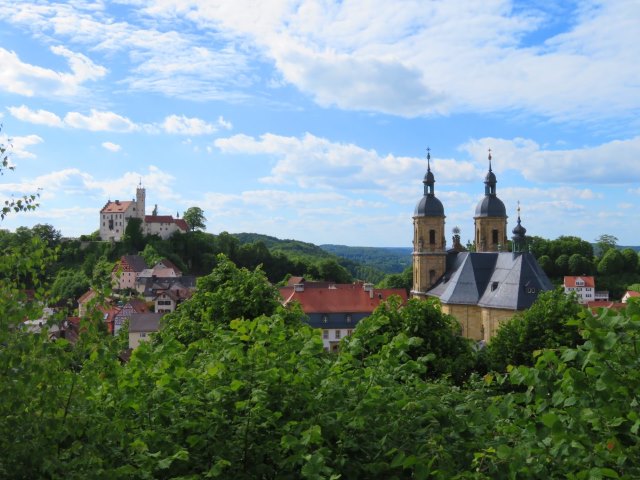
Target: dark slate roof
x,y
145,322
430,206
496,280
491,206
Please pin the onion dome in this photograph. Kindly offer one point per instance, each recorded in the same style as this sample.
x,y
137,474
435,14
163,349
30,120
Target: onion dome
x,y
490,205
519,234
429,205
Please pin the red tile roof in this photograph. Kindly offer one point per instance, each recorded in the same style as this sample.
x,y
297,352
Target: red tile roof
x,y
182,224
598,304
342,298
632,293
571,281
116,207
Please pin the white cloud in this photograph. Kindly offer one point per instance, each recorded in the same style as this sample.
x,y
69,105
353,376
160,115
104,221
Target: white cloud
x,y
39,117
100,121
181,125
29,80
611,162
17,146
311,161
112,147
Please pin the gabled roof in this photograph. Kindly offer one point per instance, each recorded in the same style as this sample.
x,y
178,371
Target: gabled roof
x,y
88,295
570,282
182,224
116,207
491,279
145,322
131,263
339,298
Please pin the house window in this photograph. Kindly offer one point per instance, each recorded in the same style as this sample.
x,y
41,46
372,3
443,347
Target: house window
x,y
432,277
494,235
349,332
337,334
348,317
432,237
325,334
143,334
531,290
325,318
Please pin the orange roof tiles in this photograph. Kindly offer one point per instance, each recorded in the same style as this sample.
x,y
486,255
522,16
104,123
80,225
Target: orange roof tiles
x,y
589,282
116,207
343,298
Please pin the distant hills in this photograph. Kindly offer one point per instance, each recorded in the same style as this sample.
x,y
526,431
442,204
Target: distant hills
x,y
371,264
386,259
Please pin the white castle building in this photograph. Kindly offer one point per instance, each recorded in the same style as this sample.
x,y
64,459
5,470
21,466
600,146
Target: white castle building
x,y
115,215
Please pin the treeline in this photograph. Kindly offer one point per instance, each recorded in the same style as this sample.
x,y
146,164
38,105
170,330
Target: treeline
x,y
237,386
87,261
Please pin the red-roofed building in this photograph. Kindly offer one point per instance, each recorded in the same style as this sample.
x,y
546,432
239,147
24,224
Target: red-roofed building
x,y
630,294
127,270
337,308
583,286
596,305
115,215
135,305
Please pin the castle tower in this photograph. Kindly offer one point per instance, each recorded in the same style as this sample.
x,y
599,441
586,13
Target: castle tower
x,y
491,218
140,201
429,254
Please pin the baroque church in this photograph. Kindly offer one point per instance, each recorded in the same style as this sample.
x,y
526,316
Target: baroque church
x,y
481,289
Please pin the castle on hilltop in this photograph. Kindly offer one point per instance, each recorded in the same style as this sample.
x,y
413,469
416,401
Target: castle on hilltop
x,y
481,289
114,217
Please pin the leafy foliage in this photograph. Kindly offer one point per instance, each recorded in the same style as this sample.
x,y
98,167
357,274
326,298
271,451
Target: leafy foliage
x,y
194,216
547,324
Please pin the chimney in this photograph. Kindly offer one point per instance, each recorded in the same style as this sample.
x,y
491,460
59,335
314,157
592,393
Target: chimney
x,y
368,287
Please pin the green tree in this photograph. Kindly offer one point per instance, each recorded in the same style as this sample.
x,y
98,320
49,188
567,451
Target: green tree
x,y
133,238
630,257
611,263
331,271
547,265
606,242
399,280
433,336
194,216
562,265
579,265
547,324
47,233
69,285
226,294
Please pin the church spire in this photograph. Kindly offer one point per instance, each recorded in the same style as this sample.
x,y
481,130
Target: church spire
x,y
490,180
519,235
429,179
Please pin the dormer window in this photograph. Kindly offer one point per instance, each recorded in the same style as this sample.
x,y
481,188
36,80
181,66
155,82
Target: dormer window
x,y
494,286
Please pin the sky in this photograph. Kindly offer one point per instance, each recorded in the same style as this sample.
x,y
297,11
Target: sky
x,y
310,120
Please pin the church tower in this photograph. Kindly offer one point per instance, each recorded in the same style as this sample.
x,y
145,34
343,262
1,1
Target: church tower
x,y
429,254
519,238
491,218
140,201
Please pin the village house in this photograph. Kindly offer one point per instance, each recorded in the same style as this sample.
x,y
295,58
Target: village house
x,y
127,270
585,289
336,308
141,326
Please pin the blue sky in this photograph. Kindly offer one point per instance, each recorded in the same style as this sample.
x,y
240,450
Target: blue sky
x,y
310,119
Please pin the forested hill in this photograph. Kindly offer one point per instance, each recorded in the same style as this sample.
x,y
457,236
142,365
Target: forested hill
x,y
387,259
362,270
294,248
